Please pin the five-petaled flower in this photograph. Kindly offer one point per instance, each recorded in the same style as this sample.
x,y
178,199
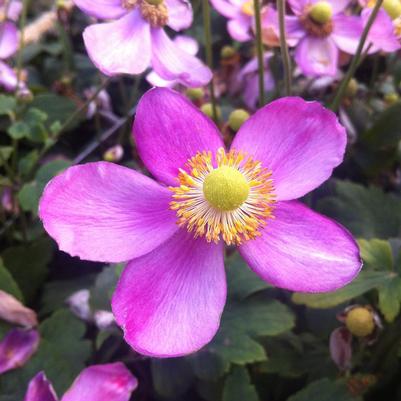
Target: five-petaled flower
x,y
171,295
136,40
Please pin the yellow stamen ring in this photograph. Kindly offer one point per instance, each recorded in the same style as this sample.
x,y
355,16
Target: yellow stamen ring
x,y
229,199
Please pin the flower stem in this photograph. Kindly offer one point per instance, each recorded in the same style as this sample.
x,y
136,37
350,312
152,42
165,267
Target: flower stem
x,y
209,52
259,51
355,60
284,47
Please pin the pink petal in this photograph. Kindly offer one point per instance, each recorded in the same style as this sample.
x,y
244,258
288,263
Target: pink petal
x,y
239,28
301,250
317,57
337,5
16,348
179,14
111,382
8,39
13,311
186,43
103,9
341,348
169,302
166,139
155,79
173,63
14,9
300,142
40,389
8,77
120,47
382,35
226,8
347,32
298,6
105,212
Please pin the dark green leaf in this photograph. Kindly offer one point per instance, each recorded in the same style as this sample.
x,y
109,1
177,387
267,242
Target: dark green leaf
x,y
238,386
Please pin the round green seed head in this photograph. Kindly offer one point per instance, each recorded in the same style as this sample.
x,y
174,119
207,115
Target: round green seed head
x,y
207,109
393,8
321,12
227,52
237,118
360,322
195,93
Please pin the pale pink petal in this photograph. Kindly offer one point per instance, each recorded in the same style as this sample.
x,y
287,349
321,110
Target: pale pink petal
x,y
111,382
16,348
14,9
12,311
179,14
120,47
104,9
186,43
173,63
337,5
105,212
226,8
240,27
166,139
155,79
40,389
317,56
341,348
8,77
8,39
300,142
169,302
298,6
301,250
347,32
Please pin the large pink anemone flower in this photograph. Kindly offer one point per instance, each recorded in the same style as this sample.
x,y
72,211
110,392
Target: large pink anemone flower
x,y
171,295
319,29
136,40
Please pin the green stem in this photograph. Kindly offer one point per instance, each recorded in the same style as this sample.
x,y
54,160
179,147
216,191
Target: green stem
x,y
284,47
25,5
209,52
259,52
355,61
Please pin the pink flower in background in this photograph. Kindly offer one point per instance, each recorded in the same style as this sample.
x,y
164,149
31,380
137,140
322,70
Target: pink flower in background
x,y
111,382
320,29
136,40
17,347
12,311
240,15
185,43
171,295
247,81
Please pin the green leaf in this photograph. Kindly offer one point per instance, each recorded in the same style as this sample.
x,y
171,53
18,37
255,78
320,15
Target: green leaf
x,y
5,153
28,265
376,254
366,212
7,105
390,299
323,390
28,197
8,284
243,323
19,130
366,281
238,386
207,365
241,280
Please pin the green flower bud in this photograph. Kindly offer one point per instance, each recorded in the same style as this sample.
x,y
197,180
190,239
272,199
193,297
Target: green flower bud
x,y
227,52
207,109
195,93
352,88
360,322
237,118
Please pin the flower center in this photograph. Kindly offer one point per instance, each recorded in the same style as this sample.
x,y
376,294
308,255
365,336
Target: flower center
x,y
225,188
321,12
247,8
393,8
228,198
154,11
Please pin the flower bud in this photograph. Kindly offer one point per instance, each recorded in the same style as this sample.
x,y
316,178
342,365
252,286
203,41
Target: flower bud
x,y
352,88
114,154
360,321
195,93
237,118
207,109
227,52
321,12
391,98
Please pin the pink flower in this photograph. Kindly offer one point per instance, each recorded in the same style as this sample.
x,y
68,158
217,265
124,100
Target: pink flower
x,y
111,382
13,311
319,30
137,39
17,347
171,295
240,15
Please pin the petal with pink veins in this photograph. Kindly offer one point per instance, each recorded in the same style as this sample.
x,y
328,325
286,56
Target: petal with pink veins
x,y
40,389
169,302
103,9
105,212
17,347
111,382
301,250
173,63
239,28
167,139
120,47
300,142
179,14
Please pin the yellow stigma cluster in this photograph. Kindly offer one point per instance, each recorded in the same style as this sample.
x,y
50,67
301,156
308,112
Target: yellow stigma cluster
x,y
321,12
360,322
227,197
154,11
393,8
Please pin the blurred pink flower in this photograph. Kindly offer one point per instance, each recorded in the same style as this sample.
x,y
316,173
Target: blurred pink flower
x,y
319,29
136,40
111,382
171,295
341,348
17,347
13,311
